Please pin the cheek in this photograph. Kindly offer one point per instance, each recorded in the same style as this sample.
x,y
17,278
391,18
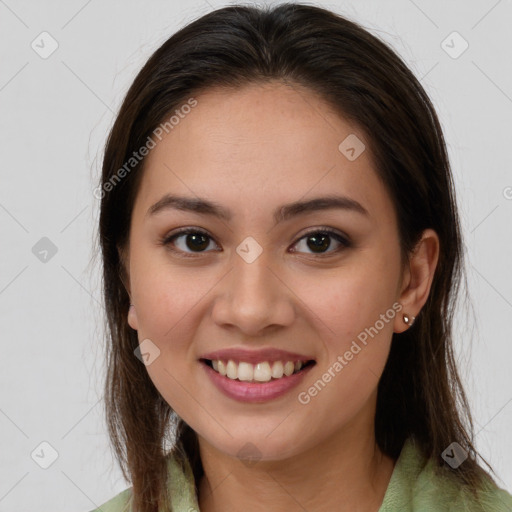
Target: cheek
x,y
354,316
351,298
356,346
167,297
169,304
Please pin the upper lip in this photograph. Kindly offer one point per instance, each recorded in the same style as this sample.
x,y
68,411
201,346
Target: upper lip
x,y
255,356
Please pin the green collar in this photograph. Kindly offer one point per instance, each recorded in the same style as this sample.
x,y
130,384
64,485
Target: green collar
x,y
414,485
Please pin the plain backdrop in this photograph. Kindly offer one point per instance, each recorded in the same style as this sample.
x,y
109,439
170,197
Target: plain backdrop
x,y
56,111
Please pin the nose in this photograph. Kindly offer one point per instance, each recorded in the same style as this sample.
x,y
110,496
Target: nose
x,y
253,298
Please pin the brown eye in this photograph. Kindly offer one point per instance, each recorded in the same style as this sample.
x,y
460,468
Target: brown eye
x,y
193,241
319,241
196,241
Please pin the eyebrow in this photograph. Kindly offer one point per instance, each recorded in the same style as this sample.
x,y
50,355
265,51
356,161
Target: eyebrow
x,y
281,214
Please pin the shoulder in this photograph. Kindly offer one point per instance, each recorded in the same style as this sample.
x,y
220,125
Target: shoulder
x,y
119,503
444,493
181,489
416,484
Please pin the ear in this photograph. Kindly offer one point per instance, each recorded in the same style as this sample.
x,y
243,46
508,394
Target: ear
x,y
125,279
132,318
417,278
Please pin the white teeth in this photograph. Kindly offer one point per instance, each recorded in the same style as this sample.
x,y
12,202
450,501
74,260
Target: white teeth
x,y
245,371
289,368
277,370
222,367
231,370
260,372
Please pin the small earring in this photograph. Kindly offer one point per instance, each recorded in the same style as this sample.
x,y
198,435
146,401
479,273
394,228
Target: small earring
x,y
409,320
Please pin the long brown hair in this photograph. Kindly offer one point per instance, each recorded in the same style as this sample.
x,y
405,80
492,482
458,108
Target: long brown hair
x,y
420,393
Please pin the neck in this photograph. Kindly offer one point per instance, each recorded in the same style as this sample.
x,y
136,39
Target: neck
x,y
345,472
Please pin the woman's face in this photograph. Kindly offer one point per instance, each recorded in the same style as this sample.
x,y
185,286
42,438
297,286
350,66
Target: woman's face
x,y
253,283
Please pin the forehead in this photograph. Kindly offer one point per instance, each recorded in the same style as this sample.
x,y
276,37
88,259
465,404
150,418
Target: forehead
x,y
259,145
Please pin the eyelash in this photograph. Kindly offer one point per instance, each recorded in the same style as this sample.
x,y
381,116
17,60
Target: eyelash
x,y
167,241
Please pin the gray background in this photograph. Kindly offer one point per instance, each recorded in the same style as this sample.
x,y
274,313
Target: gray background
x,y
55,115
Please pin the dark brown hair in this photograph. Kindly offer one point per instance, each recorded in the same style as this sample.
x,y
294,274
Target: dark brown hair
x,y
420,394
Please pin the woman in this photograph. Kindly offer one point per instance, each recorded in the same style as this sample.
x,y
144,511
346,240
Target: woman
x,y
282,254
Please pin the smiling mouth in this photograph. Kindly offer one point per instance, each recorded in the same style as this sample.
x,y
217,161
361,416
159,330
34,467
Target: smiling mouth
x,y
264,371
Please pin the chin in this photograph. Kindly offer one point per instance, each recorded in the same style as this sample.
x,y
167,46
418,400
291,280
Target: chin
x,y
253,448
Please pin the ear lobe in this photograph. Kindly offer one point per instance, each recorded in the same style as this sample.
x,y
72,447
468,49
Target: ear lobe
x,y
124,276
132,318
419,276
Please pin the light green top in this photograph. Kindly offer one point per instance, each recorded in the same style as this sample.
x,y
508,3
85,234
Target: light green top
x,y
413,487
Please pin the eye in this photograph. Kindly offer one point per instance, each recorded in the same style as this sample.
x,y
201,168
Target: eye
x,y
319,239
196,240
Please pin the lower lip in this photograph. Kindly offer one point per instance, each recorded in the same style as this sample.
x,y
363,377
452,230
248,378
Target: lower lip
x,y
255,391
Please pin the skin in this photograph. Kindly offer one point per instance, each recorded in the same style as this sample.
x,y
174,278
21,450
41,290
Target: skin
x,y
251,150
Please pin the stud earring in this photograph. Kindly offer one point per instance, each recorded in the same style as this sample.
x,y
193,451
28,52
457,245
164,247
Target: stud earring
x,y
409,320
